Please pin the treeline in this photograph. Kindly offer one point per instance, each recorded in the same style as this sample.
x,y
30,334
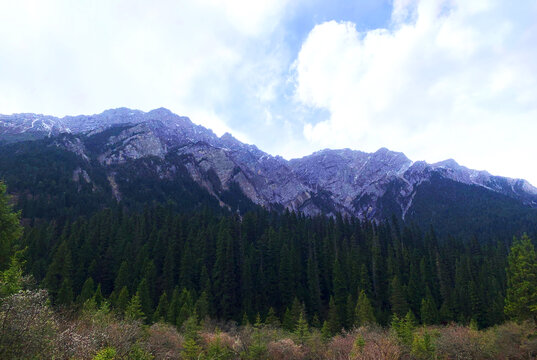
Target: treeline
x,y
337,272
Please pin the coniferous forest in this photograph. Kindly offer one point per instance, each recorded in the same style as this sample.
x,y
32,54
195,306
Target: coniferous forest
x,y
230,267
180,282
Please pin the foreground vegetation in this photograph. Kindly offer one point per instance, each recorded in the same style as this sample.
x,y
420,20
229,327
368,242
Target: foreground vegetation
x,y
32,330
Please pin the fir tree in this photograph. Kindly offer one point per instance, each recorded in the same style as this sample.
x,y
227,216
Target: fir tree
x,y
363,313
398,298
10,228
521,299
122,300
98,296
65,294
134,309
145,298
272,319
333,324
162,308
87,291
301,328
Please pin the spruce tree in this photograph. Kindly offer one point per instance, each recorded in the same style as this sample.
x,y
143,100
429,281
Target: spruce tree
x,y
398,298
301,328
429,312
145,298
134,309
363,313
333,324
10,228
122,300
162,308
272,319
521,299
98,296
65,294
87,291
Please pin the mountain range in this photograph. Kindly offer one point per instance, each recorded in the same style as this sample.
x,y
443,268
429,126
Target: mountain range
x,y
164,147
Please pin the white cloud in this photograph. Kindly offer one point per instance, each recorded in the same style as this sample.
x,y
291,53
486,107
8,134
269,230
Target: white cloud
x,y
63,57
447,79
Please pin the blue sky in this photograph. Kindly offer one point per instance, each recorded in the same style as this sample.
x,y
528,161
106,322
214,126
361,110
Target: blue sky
x,y
434,79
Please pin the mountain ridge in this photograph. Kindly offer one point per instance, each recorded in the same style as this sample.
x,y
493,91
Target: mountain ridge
x,y
367,185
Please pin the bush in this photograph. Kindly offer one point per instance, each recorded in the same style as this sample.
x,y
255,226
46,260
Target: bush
x,y
285,349
511,341
164,342
108,353
370,344
29,326
459,342
340,347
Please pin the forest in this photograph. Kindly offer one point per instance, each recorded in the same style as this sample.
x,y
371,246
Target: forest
x,y
294,286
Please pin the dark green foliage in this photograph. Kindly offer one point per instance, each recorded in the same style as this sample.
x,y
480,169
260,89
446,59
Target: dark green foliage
x,y
87,291
363,312
521,300
224,266
134,309
10,228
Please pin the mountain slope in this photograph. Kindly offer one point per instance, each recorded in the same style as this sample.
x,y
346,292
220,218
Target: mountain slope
x,y
132,156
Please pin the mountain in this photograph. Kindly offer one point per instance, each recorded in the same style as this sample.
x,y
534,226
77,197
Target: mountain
x,y
129,155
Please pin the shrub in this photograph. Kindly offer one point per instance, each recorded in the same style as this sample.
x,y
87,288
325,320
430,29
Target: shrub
x,y
285,349
459,342
29,326
340,347
164,342
371,344
108,353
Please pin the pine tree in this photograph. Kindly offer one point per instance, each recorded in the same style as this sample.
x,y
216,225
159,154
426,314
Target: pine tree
x,y
363,313
162,308
98,296
87,291
398,298
10,228
134,309
122,278
65,294
340,292
145,298
334,326
428,311
521,299
122,300
301,328
202,306
59,269
272,319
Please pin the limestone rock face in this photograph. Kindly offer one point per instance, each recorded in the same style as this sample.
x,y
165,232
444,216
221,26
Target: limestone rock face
x,y
366,185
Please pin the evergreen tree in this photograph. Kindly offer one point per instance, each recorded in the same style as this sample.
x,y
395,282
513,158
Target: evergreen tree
x,y
98,296
162,308
122,278
398,299
301,328
87,291
65,294
333,324
363,313
521,299
429,312
122,301
10,228
134,309
145,298
272,318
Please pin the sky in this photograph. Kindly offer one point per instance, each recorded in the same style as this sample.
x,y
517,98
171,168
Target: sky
x,y
435,79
